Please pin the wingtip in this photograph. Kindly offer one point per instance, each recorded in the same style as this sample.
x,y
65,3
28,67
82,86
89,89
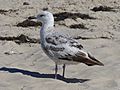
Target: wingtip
x,y
101,64
95,60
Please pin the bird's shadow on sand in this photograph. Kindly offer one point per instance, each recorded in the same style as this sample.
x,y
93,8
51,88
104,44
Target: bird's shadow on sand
x,y
41,75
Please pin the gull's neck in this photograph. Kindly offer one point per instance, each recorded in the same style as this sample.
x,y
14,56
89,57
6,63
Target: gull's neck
x,y
44,28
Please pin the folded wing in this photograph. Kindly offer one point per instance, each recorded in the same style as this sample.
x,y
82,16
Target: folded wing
x,y
68,49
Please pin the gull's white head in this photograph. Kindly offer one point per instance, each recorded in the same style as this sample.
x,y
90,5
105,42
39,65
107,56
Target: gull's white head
x,y
46,18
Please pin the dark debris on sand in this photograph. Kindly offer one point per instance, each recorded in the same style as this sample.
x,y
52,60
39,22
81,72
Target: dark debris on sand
x,y
78,26
26,3
103,8
20,39
2,11
28,23
64,15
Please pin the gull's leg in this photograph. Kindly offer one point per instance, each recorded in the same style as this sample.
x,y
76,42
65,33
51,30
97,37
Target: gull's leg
x,y
63,70
56,69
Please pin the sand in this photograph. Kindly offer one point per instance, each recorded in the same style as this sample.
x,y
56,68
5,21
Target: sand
x,y
24,66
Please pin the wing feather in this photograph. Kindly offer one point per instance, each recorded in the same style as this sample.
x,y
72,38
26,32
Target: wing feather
x,y
58,39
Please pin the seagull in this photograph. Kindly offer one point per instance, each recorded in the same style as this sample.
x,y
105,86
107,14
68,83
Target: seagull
x,y
61,48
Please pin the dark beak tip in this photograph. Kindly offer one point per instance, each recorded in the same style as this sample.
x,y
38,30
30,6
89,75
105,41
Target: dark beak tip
x,y
32,17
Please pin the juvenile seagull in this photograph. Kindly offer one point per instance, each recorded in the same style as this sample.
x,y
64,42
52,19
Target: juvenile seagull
x,y
61,48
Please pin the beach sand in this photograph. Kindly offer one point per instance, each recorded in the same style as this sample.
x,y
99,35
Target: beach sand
x,y
23,64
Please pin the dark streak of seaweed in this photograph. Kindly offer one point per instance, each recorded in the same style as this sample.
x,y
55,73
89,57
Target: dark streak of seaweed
x,y
103,8
86,38
28,23
20,39
63,15
79,26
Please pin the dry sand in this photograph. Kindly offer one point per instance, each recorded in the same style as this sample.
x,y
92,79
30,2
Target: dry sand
x,y
24,66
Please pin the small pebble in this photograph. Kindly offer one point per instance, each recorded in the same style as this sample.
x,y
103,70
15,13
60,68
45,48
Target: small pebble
x,y
26,3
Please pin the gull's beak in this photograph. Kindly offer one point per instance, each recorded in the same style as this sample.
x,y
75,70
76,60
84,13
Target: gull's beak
x,y
33,21
32,17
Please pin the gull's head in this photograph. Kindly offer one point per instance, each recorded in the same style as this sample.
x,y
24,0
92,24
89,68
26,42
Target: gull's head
x,y
46,18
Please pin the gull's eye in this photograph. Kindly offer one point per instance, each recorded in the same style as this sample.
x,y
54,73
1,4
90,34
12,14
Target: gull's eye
x,y
42,15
